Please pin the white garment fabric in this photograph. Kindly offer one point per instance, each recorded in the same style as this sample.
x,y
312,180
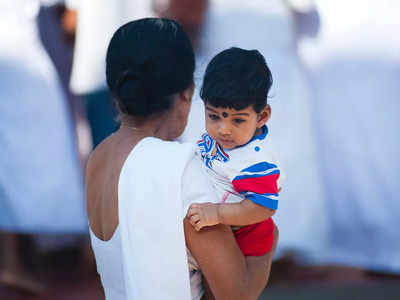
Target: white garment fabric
x,y
97,21
146,257
41,185
268,27
109,262
355,68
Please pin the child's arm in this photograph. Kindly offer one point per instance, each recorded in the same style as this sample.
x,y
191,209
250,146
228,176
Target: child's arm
x,y
258,184
243,213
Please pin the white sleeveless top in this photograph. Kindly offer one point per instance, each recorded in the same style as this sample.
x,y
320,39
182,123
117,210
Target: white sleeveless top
x,y
155,267
111,274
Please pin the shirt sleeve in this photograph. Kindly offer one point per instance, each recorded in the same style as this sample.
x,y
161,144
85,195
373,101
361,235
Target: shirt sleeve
x,y
196,186
259,183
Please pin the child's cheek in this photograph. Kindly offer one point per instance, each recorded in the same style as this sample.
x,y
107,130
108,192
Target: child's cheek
x,y
210,129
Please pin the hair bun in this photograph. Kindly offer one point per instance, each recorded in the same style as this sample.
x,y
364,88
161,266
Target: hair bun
x,y
131,92
148,61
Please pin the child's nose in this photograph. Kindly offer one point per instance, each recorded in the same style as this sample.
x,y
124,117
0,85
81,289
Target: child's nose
x,y
224,130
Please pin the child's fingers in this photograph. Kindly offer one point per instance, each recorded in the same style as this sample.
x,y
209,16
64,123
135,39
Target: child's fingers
x,y
193,210
198,225
194,219
194,224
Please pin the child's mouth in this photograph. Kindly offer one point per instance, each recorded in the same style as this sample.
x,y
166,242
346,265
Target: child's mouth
x,y
226,143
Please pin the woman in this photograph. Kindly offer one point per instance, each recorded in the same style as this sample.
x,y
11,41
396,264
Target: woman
x,y
139,184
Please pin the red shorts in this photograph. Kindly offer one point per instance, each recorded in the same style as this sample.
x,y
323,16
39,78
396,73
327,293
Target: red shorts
x,y
256,239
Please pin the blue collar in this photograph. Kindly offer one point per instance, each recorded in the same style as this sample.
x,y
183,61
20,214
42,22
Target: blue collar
x,y
260,136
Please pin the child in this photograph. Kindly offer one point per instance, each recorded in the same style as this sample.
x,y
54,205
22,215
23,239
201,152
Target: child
x,y
235,150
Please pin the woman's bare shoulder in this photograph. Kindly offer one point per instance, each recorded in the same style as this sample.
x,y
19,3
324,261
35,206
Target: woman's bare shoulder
x,y
102,175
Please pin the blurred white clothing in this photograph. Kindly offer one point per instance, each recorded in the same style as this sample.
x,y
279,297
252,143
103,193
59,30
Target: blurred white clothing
x,y
355,65
268,27
41,185
97,21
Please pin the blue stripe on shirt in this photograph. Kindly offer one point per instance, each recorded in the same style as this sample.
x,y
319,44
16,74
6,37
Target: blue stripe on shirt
x,y
260,167
255,175
263,201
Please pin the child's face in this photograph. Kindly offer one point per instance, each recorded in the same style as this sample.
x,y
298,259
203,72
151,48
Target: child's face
x,y
232,128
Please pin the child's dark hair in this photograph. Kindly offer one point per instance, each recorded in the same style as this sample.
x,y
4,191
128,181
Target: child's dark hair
x,y
237,78
148,61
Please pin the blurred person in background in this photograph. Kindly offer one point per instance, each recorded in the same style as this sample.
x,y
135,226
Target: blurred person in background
x,y
355,71
268,26
93,23
59,44
41,185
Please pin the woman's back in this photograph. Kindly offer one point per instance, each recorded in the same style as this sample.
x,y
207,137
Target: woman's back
x,y
128,249
103,170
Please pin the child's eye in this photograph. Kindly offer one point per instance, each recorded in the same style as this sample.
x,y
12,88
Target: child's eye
x,y
238,121
213,117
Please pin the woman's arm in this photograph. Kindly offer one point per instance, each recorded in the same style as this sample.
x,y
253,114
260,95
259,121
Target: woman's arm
x,y
229,274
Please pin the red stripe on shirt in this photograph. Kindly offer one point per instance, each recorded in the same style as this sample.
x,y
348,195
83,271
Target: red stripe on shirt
x,y
260,185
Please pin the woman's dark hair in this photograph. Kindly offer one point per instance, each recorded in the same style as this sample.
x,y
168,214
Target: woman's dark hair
x,y
148,61
237,78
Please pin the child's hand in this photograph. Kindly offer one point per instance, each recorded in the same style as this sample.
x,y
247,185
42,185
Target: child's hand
x,y
203,214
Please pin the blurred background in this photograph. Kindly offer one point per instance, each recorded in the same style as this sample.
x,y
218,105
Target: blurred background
x,y
335,104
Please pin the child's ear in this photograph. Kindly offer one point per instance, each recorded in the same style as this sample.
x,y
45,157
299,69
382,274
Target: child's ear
x,y
263,116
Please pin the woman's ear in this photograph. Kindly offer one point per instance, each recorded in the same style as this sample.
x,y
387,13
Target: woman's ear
x,y
263,116
188,93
